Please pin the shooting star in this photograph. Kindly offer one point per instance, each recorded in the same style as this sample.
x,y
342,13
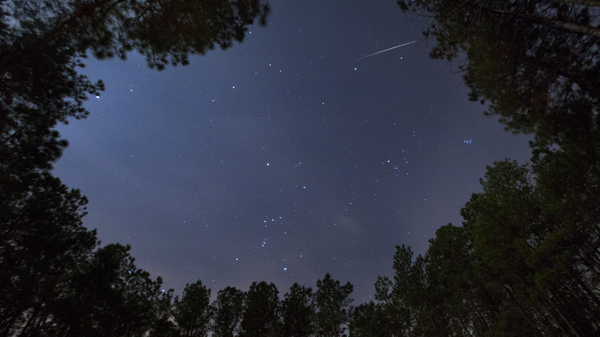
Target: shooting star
x,y
383,51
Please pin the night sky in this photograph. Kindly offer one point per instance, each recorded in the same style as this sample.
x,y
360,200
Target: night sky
x,y
284,157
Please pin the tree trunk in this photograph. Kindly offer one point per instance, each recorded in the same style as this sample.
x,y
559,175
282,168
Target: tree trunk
x,y
577,28
592,3
570,26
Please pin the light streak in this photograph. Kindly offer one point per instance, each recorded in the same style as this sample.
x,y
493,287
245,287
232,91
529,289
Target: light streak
x,y
383,51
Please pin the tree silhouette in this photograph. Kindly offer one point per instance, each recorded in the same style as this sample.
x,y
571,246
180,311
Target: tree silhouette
x,y
401,297
53,278
368,320
228,309
533,233
193,313
535,253
42,43
525,262
112,297
106,295
535,61
163,325
333,311
298,310
261,312
43,244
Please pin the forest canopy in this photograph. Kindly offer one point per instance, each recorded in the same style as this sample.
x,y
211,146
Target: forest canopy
x,y
534,61
525,261
55,278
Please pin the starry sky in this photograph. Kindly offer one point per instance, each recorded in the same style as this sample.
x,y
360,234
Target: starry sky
x,y
284,157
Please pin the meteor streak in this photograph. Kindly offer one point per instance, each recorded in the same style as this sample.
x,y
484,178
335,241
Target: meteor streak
x,y
383,51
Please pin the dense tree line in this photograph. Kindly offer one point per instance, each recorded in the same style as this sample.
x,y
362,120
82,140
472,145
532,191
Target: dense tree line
x,y
260,311
526,260
55,278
